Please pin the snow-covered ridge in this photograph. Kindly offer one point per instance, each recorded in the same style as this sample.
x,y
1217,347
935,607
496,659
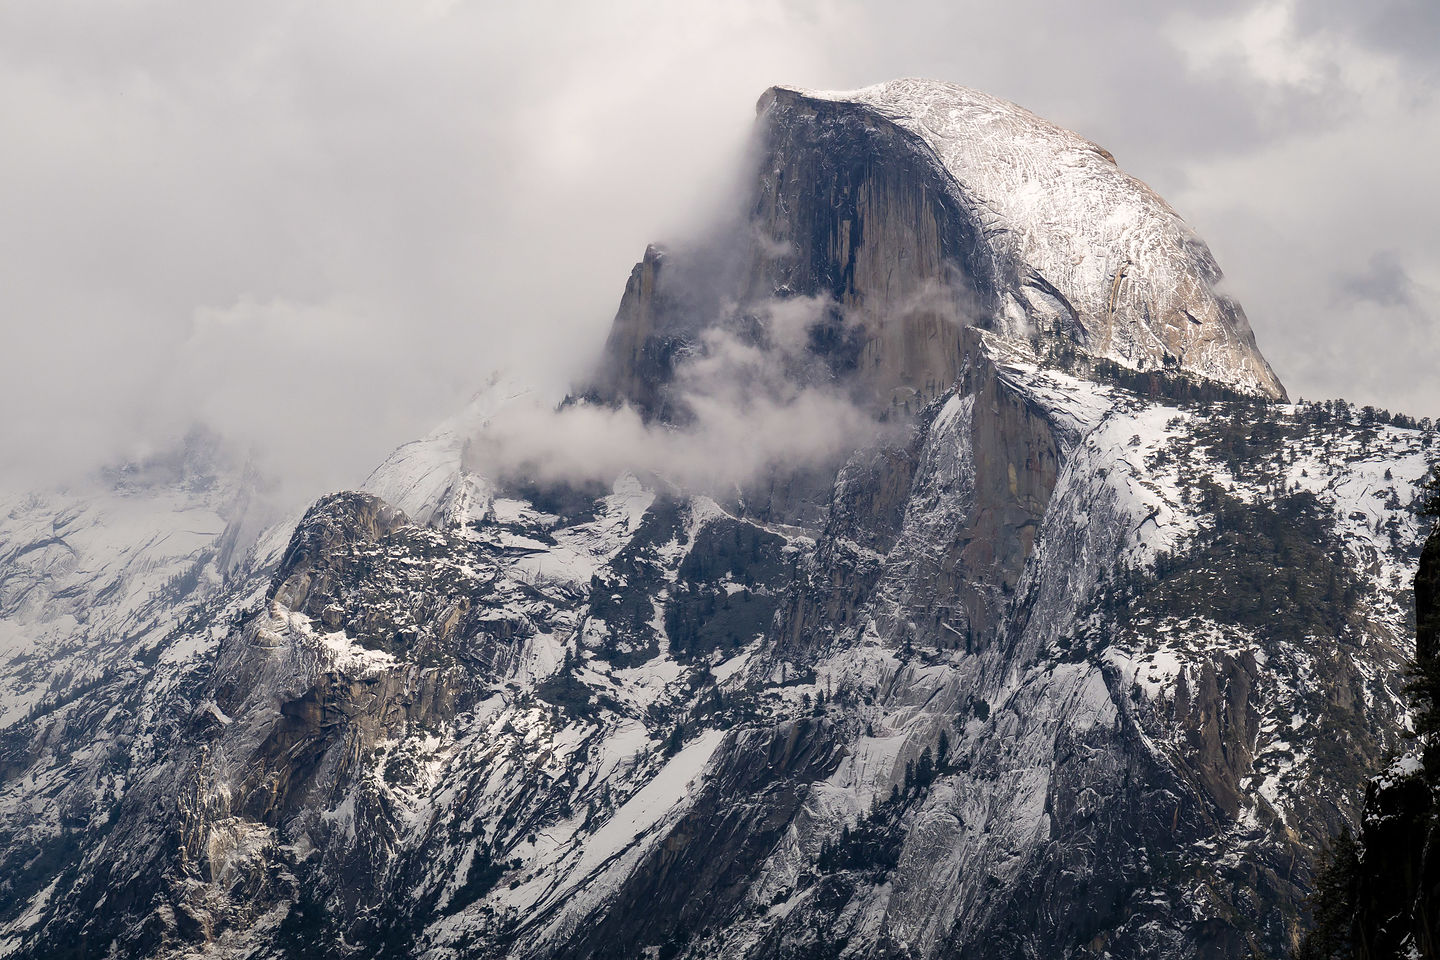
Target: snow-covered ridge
x,y
1093,252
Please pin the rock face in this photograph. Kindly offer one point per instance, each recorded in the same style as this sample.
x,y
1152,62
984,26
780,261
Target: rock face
x,y
915,208
1081,665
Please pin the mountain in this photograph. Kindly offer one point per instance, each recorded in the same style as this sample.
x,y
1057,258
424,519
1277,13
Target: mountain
x,y
1080,657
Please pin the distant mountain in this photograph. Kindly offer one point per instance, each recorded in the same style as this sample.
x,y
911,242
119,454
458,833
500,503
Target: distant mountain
x,y
1083,657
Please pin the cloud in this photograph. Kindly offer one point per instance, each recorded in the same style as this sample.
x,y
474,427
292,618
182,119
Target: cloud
x,y
749,404
382,200
1407,28
727,447
1383,282
314,227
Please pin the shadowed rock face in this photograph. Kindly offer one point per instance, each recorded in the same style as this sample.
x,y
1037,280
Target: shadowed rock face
x,y
957,515
854,211
846,210
640,351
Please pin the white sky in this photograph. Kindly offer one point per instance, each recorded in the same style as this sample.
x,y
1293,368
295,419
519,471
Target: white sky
x,y
317,226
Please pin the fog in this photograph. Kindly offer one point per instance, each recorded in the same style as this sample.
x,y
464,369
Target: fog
x,y
317,229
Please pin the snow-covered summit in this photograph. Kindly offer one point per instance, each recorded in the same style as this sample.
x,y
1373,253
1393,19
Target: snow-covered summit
x,y
1080,247
426,478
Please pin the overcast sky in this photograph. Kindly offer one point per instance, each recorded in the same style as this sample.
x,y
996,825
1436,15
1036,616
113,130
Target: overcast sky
x,y
317,226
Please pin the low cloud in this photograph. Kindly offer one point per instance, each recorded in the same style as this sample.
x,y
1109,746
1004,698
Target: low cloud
x,y
750,403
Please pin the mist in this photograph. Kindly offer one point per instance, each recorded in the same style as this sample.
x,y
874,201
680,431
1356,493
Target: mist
x,y
315,229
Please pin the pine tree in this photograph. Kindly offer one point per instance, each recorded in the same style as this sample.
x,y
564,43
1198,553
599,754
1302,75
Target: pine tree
x,y
1333,902
675,741
1429,494
925,772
